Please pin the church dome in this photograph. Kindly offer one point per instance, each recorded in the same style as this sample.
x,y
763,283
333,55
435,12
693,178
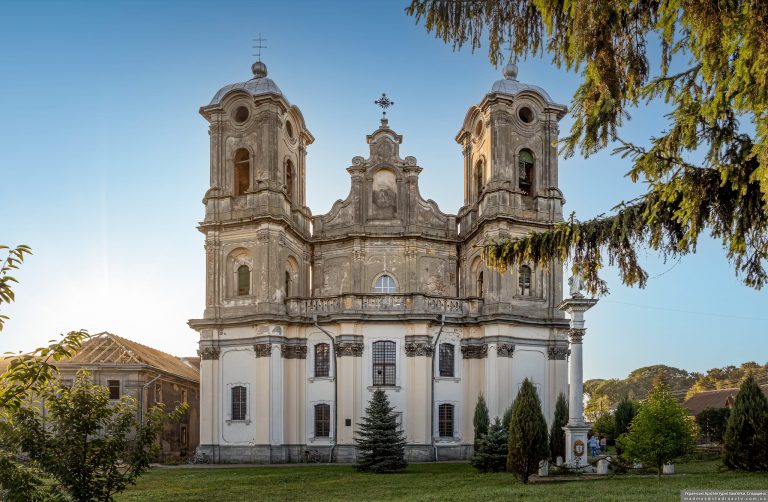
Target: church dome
x,y
257,86
511,86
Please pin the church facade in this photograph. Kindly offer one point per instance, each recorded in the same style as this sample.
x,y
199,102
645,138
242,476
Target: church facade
x,y
305,316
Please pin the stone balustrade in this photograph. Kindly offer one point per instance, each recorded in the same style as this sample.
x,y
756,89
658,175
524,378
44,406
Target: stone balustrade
x,y
383,304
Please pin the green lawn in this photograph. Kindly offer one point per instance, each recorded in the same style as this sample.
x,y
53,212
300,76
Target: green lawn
x,y
443,482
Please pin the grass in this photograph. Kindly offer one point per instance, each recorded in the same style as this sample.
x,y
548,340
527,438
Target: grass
x,y
443,482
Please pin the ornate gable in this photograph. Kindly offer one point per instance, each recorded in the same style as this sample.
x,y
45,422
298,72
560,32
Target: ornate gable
x,y
384,197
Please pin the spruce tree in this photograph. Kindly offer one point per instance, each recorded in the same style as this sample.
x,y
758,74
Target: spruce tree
x,y
481,419
557,434
491,451
527,445
746,437
380,442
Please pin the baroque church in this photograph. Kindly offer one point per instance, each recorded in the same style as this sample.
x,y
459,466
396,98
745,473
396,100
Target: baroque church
x,y
306,315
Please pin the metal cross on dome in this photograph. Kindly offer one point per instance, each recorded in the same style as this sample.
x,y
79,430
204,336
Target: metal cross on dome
x,y
384,102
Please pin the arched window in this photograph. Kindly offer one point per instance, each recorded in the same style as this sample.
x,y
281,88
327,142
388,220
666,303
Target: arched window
x,y
322,420
385,284
289,177
479,178
242,171
239,402
322,360
384,363
524,281
288,283
446,360
243,280
480,284
445,420
525,171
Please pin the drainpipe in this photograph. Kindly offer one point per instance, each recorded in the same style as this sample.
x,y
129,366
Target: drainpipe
x,y
143,389
432,394
335,388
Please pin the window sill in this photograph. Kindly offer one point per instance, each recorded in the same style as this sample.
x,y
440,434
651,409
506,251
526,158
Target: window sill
x,y
447,379
246,422
454,440
320,379
395,388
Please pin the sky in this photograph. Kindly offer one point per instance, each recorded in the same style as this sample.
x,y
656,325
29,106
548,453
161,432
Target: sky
x,y
104,161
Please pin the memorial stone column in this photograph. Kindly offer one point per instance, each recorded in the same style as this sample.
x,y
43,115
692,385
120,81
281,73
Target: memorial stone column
x,y
576,429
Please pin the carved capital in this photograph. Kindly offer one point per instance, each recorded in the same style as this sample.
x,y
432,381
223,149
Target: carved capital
x,y
474,351
208,353
262,349
354,349
358,254
294,351
413,349
558,352
576,335
505,349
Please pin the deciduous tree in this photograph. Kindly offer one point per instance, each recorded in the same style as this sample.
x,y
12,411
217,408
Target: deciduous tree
x,y
660,433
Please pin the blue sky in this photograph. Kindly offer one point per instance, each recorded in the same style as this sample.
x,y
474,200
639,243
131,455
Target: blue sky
x,y
104,161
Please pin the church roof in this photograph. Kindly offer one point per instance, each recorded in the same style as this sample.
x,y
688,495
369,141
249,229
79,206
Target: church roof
x,y
511,86
106,348
257,86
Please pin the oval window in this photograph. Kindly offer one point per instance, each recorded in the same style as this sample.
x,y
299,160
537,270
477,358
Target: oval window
x,y
241,114
525,114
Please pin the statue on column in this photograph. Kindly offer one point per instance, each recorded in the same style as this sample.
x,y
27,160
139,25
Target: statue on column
x,y
577,285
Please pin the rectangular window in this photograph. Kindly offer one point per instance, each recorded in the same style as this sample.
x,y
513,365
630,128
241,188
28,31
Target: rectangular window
x,y
322,420
322,360
184,436
384,361
239,395
445,420
158,392
446,360
114,389
183,395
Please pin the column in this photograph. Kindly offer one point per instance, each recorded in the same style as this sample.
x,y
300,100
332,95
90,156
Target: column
x,y
576,429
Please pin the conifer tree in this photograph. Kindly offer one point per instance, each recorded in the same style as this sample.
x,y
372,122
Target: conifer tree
x,y
746,437
380,442
527,445
491,451
507,418
557,434
481,419
625,412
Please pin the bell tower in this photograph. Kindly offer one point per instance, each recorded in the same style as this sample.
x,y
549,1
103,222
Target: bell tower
x,y
257,225
509,142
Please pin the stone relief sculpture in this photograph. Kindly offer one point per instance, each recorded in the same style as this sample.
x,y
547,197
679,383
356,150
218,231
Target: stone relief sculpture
x,y
577,285
384,194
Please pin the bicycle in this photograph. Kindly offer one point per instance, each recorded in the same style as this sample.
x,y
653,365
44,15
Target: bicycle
x,y
311,457
199,458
